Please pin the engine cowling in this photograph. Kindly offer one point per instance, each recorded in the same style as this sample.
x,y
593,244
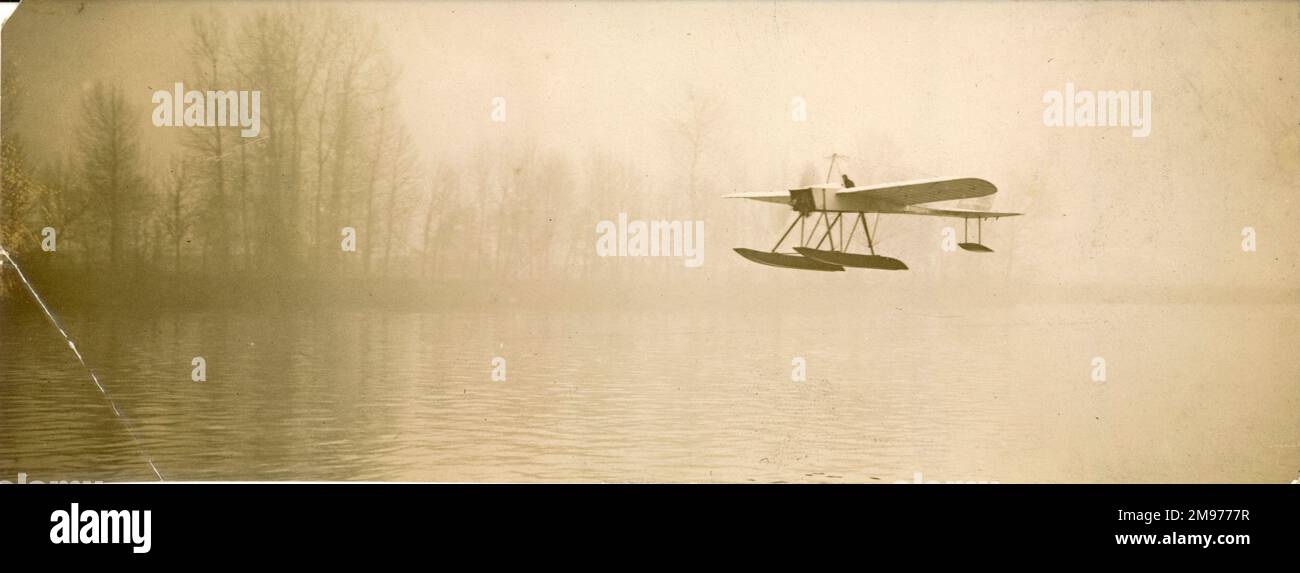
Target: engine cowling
x,y
802,200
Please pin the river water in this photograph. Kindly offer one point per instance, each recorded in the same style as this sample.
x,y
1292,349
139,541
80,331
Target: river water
x,y
1193,393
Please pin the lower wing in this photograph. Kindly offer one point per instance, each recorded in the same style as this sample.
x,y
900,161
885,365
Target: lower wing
x,y
962,213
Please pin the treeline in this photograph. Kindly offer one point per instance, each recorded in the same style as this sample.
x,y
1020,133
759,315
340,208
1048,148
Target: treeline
x,y
334,152
330,154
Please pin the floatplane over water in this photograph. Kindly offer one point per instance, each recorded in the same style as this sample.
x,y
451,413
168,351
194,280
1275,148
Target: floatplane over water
x,y
832,202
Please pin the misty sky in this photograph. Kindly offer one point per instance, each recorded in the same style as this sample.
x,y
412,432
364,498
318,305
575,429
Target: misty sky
x,y
908,90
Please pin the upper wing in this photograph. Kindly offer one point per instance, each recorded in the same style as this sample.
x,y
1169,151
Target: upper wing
x,y
924,191
782,197
768,196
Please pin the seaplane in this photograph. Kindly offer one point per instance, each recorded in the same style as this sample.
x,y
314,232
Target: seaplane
x,y
832,202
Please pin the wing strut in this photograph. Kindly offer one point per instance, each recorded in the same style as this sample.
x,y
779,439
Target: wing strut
x,y
787,233
871,243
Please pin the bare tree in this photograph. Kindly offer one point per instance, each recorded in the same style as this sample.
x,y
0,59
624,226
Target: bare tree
x,y
208,50
691,130
62,203
175,219
439,214
387,77
405,172
109,150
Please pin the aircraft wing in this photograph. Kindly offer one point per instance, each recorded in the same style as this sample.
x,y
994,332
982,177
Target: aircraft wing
x,y
963,213
924,191
782,197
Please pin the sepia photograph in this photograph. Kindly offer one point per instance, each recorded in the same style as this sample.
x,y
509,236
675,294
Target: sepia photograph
x,y
982,243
